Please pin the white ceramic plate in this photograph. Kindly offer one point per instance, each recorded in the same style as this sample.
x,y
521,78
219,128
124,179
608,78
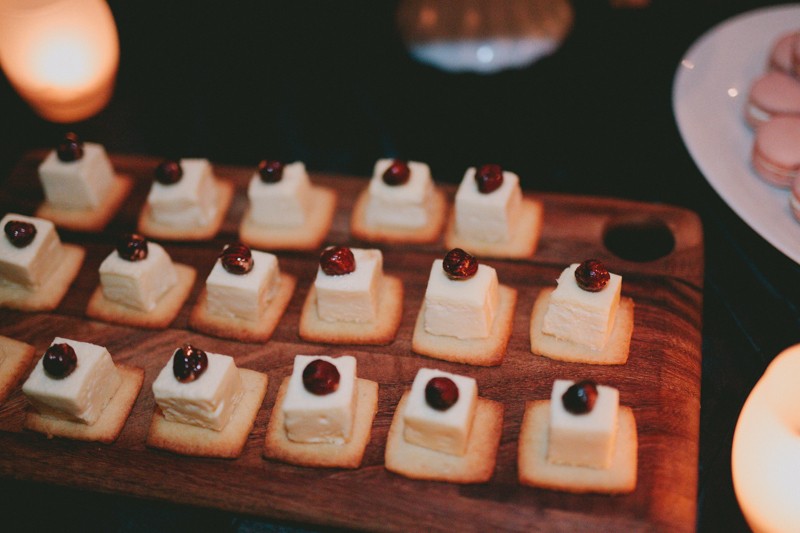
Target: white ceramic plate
x,y
708,97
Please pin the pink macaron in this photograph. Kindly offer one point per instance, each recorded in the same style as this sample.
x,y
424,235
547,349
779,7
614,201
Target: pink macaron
x,y
781,55
796,57
776,151
794,199
774,93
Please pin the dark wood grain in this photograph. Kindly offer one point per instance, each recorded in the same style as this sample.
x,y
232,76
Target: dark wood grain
x,y
661,381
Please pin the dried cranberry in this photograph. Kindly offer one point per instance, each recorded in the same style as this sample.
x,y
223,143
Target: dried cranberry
x,y
189,363
592,275
458,264
169,172
132,247
489,178
59,360
70,149
441,393
320,377
398,173
271,171
580,397
237,258
337,261
20,234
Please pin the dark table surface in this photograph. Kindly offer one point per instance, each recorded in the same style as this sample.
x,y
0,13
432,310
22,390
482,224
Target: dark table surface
x,y
333,85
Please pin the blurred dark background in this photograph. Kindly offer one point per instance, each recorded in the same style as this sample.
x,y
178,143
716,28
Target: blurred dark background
x,y
332,84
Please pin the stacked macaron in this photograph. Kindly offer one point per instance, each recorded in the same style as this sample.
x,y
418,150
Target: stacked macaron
x,y
776,150
777,91
774,94
773,112
782,55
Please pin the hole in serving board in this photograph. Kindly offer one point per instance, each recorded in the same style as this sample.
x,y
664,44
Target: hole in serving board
x,y
639,240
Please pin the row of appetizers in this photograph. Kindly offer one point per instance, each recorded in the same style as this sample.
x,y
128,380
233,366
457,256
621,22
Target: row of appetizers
x,y
286,211
466,314
580,440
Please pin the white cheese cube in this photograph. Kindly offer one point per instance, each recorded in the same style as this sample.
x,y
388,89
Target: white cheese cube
x,y
586,439
326,418
31,265
488,217
285,203
404,206
581,316
80,184
190,202
138,284
351,297
461,308
446,431
80,396
209,401
243,295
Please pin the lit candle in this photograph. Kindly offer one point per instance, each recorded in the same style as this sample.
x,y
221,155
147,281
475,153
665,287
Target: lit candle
x,y
765,459
61,56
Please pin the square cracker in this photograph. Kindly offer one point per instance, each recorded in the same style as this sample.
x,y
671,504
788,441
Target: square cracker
x,y
165,311
481,352
475,466
89,219
615,352
309,236
382,331
523,241
186,439
147,226
322,454
238,328
536,471
48,295
429,233
112,419
16,359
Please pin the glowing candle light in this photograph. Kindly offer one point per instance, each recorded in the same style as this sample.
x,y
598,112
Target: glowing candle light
x,y
765,458
61,56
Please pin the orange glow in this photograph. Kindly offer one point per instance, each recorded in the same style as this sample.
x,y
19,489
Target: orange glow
x,y
62,60
61,56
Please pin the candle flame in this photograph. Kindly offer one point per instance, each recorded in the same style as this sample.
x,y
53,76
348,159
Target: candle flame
x,y
60,55
63,60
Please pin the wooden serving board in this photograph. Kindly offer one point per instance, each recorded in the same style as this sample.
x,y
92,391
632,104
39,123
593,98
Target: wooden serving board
x,y
661,380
